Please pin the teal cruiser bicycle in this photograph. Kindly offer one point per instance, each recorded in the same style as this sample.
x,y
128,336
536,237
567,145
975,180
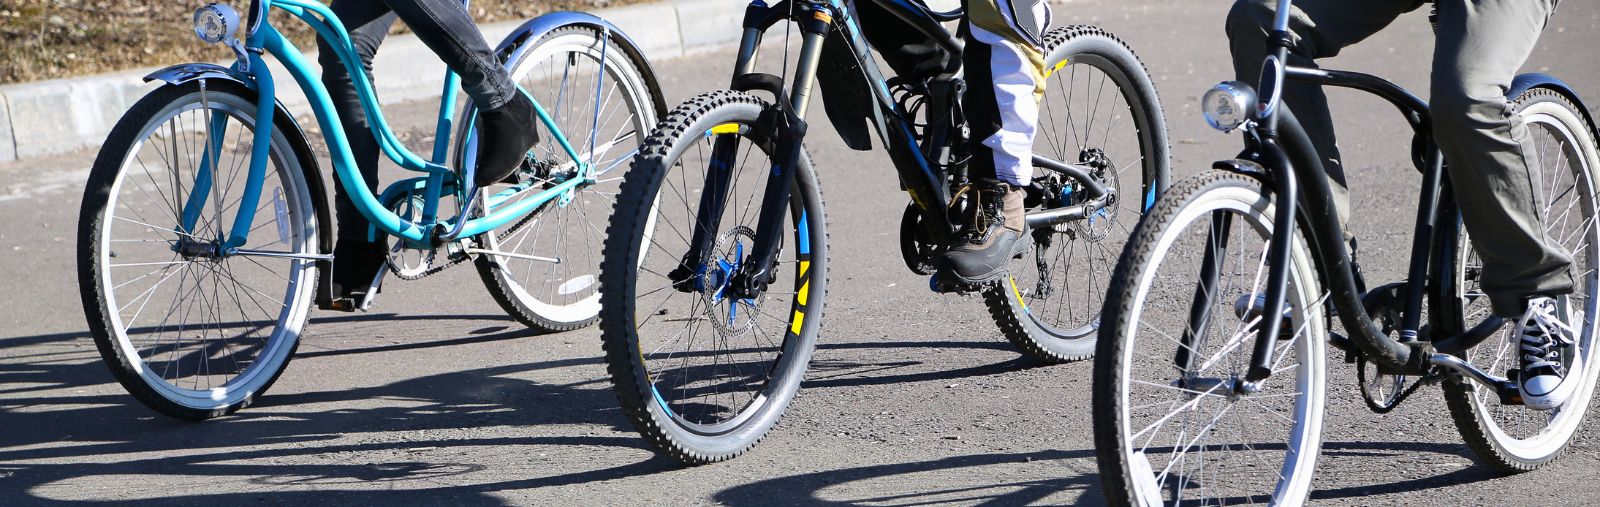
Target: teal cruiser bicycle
x,y
204,240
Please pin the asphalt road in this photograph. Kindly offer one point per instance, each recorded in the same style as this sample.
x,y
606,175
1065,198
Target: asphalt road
x,y
436,397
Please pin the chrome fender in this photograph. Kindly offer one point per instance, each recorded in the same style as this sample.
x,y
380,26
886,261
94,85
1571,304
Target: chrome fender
x,y
186,72
516,44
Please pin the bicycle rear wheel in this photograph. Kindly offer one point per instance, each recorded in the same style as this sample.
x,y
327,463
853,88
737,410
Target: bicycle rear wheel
x,y
1513,438
604,105
703,375
188,328
1175,422
1100,110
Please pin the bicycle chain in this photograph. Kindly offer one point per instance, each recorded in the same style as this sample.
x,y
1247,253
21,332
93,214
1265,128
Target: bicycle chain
x,y
451,261
1429,378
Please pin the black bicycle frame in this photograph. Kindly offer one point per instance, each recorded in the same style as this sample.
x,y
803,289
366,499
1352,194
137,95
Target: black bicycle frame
x,y
929,184
1293,169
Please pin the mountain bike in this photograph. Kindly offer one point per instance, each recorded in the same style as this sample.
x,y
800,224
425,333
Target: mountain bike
x,y
1211,373
716,261
204,238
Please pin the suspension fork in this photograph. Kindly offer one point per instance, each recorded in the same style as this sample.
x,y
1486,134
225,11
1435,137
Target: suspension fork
x,y
713,202
719,176
785,120
754,276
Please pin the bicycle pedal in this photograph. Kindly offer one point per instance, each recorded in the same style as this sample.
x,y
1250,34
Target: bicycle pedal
x,y
952,286
340,305
1510,391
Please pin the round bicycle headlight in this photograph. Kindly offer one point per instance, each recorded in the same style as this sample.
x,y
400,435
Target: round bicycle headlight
x,y
1227,105
215,23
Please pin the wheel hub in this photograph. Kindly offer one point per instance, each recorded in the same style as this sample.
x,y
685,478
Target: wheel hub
x,y
1097,226
191,249
716,281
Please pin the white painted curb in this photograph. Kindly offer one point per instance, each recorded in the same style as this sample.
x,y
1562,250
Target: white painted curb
x,y
50,117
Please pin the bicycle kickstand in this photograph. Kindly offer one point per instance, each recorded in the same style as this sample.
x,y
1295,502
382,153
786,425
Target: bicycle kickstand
x,y
372,290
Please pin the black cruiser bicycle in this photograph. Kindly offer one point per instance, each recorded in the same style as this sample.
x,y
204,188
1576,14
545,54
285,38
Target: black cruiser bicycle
x,y
1198,400
716,260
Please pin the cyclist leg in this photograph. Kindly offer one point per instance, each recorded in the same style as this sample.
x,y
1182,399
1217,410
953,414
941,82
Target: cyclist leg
x,y
506,123
358,255
1491,159
1480,47
1005,80
1319,29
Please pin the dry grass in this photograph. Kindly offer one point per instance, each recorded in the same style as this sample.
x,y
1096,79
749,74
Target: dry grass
x,y
47,39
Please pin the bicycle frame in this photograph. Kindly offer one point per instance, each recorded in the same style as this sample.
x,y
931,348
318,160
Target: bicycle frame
x,y
440,179
1293,170
928,183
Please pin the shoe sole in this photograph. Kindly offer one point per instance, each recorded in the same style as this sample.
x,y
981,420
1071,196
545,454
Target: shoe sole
x,y
994,274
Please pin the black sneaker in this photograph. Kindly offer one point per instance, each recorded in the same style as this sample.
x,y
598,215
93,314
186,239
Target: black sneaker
x,y
1550,366
994,233
505,134
355,266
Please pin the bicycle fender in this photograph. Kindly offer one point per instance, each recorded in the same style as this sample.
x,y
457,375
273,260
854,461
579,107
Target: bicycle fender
x,y
186,72
513,46
1529,81
1244,167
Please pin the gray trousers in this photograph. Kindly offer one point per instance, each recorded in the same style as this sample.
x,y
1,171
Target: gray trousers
x,y
1480,45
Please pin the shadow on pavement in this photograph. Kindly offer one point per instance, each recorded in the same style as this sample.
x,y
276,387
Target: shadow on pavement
x,y
301,441
882,484
57,429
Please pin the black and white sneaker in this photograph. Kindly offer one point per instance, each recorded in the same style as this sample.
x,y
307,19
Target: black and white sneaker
x,y
1550,364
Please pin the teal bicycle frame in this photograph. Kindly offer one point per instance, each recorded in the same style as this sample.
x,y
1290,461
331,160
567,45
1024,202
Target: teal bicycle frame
x,y
428,231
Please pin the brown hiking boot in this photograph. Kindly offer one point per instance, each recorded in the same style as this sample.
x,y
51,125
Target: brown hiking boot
x,y
994,233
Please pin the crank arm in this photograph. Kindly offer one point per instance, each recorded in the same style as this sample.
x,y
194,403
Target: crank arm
x,y
498,253
1505,388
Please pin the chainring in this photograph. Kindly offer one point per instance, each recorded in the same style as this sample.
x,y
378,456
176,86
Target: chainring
x,y
1381,391
915,246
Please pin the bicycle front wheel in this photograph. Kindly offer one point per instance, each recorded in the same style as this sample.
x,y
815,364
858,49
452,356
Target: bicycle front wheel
x,y
704,374
1175,421
1099,110
1513,438
603,105
190,328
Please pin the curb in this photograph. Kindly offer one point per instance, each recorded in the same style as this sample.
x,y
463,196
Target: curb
x,y
46,118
